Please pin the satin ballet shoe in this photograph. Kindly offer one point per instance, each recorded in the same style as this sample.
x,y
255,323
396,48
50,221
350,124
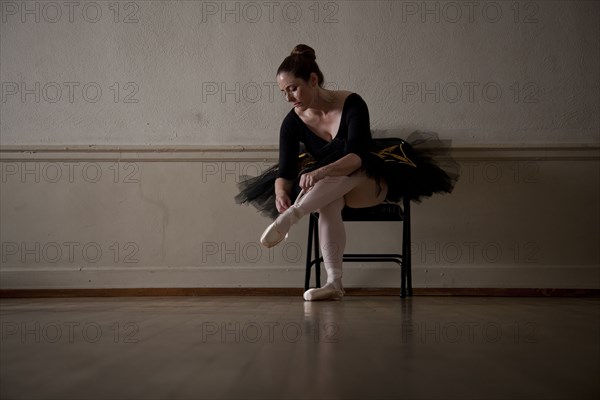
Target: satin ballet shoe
x,y
271,236
327,292
275,233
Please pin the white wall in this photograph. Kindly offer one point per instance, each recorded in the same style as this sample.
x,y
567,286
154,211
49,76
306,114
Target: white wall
x,y
188,104
177,53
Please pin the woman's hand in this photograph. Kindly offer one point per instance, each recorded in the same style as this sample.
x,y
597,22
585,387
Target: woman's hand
x,y
309,179
342,167
282,198
282,201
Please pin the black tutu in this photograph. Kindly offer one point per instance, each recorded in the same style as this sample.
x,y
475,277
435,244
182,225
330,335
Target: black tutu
x,y
414,168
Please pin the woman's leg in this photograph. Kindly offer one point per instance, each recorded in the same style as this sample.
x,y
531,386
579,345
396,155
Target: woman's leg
x,y
368,193
332,240
360,190
332,236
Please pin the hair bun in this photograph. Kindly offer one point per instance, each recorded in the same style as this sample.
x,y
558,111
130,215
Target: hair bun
x,y
304,50
301,64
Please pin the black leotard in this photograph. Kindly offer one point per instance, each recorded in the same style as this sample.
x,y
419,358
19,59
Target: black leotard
x,y
407,166
353,136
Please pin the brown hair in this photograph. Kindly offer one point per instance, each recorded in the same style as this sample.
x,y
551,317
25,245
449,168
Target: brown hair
x,y
301,63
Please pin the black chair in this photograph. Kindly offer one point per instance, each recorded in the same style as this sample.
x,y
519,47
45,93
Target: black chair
x,y
381,212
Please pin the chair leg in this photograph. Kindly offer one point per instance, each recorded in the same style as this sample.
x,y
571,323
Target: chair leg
x,y
317,252
309,262
403,268
406,240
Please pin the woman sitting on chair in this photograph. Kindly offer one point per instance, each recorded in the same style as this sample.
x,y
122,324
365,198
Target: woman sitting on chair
x,y
342,166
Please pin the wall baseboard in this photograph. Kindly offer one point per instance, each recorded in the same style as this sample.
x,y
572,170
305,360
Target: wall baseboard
x,y
159,224
144,292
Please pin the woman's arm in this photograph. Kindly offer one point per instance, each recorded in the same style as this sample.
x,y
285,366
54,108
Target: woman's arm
x,y
283,188
342,167
288,163
357,144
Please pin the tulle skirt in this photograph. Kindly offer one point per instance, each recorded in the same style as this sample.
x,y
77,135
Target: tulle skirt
x,y
415,168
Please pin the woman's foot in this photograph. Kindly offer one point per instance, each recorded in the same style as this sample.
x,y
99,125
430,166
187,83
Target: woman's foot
x,y
330,291
272,236
278,230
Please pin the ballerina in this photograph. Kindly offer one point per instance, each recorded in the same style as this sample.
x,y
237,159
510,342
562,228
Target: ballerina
x,y
343,166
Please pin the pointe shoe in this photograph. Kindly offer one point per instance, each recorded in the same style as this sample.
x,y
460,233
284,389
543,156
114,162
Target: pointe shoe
x,y
275,233
327,292
271,236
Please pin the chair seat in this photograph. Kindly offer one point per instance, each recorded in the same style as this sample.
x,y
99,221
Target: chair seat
x,y
380,212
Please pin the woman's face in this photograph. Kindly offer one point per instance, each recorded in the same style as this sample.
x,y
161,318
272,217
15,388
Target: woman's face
x,y
296,90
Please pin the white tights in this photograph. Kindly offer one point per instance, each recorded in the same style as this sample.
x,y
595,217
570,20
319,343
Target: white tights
x,y
329,196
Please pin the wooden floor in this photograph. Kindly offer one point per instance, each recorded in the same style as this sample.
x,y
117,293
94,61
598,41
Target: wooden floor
x,y
285,348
